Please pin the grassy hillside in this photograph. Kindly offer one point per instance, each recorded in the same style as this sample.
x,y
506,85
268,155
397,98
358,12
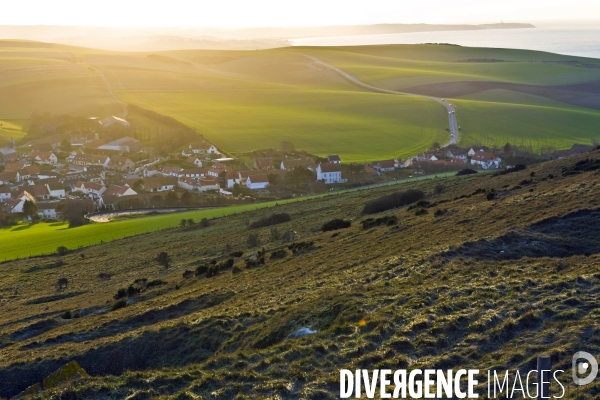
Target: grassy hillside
x,y
44,238
522,118
466,280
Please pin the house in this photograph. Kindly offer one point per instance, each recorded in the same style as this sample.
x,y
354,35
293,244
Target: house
x,y
28,171
485,160
14,166
112,120
170,171
202,148
334,159
115,190
40,192
91,159
217,170
330,173
8,154
385,165
573,151
263,163
193,172
56,189
257,182
120,163
208,184
241,176
7,177
43,157
47,209
15,205
5,193
194,160
160,184
288,165
475,149
92,189
426,157
124,145
457,153
371,171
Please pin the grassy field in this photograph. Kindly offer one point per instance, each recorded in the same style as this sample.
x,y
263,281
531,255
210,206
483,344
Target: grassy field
x,y
535,123
11,128
462,280
44,238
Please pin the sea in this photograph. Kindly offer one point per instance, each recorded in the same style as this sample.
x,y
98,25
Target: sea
x,y
580,39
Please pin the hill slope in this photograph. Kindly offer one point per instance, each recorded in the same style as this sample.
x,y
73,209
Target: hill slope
x,y
467,279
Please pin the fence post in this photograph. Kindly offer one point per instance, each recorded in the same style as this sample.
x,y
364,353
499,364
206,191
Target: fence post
x,y
544,365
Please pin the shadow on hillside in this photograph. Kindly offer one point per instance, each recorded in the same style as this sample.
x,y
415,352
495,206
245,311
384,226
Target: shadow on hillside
x,y
577,233
177,345
150,317
21,227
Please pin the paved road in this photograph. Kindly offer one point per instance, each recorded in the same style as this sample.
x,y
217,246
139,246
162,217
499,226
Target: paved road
x,y
452,124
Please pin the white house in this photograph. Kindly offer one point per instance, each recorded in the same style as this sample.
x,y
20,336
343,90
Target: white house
x,y
330,173
485,160
92,189
457,153
43,157
208,184
202,148
47,209
5,193
56,190
115,190
257,182
195,160
7,177
385,165
90,159
16,205
334,159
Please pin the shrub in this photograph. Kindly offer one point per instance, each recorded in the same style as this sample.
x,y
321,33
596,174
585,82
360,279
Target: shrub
x,y
66,315
439,212
300,246
466,171
155,282
516,168
188,274
275,235
335,224
491,195
212,271
204,223
163,259
281,253
393,200
201,269
273,219
289,236
253,240
237,254
61,250
104,276
183,223
388,220
190,221
119,304
255,262
121,293
439,188
62,283
421,211
132,290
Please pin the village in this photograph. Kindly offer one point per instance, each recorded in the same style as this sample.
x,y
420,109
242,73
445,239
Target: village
x,y
90,173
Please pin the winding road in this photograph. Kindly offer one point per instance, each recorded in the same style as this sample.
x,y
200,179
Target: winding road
x,y
452,124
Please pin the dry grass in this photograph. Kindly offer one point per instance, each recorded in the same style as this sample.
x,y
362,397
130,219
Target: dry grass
x,y
431,291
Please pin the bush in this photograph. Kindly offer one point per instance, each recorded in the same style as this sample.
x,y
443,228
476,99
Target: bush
x,y
289,236
393,200
439,188
388,220
119,304
273,219
335,224
155,282
212,271
491,195
121,293
163,259
275,235
104,276
204,223
61,250
132,290
300,246
466,171
281,253
421,211
188,274
516,168
253,240
439,212
201,269
62,282
66,315
237,254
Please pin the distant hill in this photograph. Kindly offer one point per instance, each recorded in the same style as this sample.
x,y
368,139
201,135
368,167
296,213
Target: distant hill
x,y
158,39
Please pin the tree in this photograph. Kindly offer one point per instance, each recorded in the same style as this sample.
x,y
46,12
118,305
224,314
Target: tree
x,y
30,208
183,223
138,185
287,146
62,282
62,250
190,222
163,259
435,146
507,148
157,200
171,199
65,145
187,199
299,177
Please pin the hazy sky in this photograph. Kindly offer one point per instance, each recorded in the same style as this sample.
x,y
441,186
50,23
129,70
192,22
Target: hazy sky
x,y
253,13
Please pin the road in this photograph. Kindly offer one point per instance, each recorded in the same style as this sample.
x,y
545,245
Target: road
x,y
110,91
452,124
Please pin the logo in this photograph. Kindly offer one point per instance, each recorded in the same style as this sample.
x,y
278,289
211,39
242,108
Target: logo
x,y
590,366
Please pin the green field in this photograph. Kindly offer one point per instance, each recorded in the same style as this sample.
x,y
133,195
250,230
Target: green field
x,y
11,128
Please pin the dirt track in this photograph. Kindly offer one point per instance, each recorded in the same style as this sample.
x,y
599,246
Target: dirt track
x,y
583,95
